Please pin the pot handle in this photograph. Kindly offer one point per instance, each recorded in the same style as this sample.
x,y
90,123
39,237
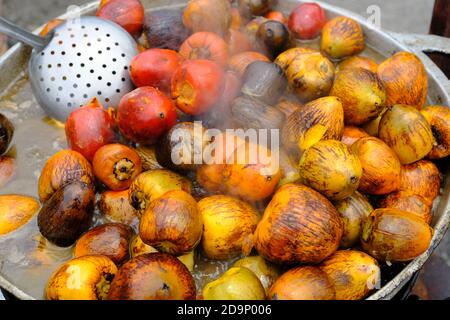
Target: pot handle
x,y
22,35
424,43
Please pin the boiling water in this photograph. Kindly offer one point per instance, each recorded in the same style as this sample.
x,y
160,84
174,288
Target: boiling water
x,y
26,258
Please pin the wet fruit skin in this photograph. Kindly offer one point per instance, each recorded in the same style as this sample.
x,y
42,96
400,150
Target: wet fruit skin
x,y
224,146
274,36
413,203
179,148
145,114
208,15
310,76
321,119
422,178
129,14
211,175
67,214
84,278
63,167
197,85
8,169
16,211
358,62
228,226
117,166
110,240
353,211
244,170
285,59
138,247
153,276
381,166
251,31
164,28
372,126
148,157
395,235
251,112
151,185
116,207
233,83
331,168
6,133
188,260
288,107
289,169
220,115
89,128
439,119
237,42
307,20
303,283
205,45
266,272
251,181
237,283
298,226
353,134
154,67
240,61
236,19
277,16
172,223
250,8
362,94
407,132
264,81
342,37
353,274
405,79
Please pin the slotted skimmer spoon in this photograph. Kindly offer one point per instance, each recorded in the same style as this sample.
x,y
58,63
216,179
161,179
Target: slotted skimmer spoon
x,y
82,58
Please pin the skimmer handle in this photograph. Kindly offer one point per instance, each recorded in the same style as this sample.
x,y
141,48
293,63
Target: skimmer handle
x,y
22,35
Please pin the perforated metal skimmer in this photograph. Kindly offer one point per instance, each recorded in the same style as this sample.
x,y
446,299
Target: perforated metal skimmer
x,y
86,57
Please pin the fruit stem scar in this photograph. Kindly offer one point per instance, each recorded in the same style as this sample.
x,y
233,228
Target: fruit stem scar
x,y
123,169
186,93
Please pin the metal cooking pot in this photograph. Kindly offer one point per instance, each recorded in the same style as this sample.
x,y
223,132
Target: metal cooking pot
x,y
13,64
